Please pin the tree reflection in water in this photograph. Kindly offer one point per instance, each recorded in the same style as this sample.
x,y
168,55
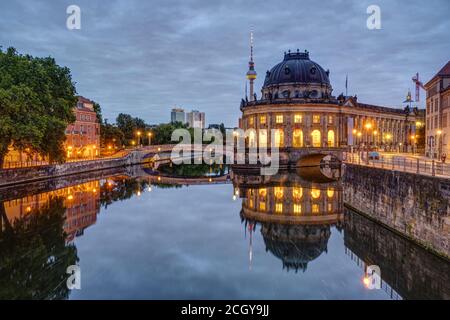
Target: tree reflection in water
x,y
35,254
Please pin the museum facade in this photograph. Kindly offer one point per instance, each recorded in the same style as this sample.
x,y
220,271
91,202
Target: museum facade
x,y
296,109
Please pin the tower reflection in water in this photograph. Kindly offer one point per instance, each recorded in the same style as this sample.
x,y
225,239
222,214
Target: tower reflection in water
x,y
295,210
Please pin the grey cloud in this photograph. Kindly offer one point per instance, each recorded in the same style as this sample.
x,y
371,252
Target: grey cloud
x,y
143,57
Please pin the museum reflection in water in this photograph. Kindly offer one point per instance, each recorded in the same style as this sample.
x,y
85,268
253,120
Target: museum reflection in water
x,y
295,212
295,215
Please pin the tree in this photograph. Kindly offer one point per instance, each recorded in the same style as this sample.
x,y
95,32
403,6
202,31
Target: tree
x,y
98,111
111,134
163,132
36,101
35,254
129,126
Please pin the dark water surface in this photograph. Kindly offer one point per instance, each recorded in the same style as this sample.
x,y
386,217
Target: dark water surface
x,y
154,237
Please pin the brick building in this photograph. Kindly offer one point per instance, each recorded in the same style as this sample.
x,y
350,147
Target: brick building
x,y
438,114
83,136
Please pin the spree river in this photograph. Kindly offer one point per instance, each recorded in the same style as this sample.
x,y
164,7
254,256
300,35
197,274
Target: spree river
x,y
197,232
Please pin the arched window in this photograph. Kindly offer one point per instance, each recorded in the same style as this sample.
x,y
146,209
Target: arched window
x,y
298,138
279,138
315,193
263,138
316,139
331,138
252,139
330,192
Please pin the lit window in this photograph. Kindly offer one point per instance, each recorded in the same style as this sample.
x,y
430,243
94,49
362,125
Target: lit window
x,y
251,121
315,193
298,118
279,192
330,119
315,208
316,139
278,207
298,138
263,138
262,192
279,138
279,118
330,207
316,118
297,208
297,193
331,138
262,119
262,206
250,203
330,192
252,138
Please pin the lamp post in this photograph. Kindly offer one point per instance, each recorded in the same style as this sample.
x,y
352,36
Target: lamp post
x,y
388,138
149,135
139,137
439,133
413,143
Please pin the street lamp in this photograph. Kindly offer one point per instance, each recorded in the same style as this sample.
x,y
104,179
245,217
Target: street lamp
x,y
388,137
439,133
149,138
139,137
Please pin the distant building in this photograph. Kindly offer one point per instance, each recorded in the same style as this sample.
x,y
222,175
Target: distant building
x,y
438,114
177,115
83,136
196,119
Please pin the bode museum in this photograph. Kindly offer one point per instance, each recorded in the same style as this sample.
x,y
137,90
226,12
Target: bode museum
x,y
297,102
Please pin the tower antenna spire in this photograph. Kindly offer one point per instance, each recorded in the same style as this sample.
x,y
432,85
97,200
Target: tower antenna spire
x,y
251,45
251,73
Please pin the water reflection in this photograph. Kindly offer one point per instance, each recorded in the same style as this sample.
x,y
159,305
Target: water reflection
x,y
295,216
294,222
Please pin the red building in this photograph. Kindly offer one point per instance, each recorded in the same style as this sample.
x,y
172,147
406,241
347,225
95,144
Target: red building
x,y
83,136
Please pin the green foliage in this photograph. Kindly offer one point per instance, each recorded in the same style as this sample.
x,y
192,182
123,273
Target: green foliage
x,y
98,111
163,132
193,170
129,126
36,101
111,135
34,254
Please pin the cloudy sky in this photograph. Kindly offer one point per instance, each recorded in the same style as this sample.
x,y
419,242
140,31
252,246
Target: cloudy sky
x,y
144,57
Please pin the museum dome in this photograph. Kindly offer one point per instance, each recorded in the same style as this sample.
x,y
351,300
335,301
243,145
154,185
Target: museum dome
x,y
296,67
296,245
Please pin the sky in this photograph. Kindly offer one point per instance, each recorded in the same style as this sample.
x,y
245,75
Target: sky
x,y
145,57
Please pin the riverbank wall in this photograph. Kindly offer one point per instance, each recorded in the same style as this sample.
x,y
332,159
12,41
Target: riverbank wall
x,y
14,176
415,206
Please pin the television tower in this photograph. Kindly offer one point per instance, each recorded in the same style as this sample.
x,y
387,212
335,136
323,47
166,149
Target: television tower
x,y
251,73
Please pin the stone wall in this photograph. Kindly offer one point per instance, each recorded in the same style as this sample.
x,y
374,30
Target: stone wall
x,y
20,175
415,206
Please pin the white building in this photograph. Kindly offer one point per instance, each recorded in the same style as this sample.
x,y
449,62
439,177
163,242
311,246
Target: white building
x,y
196,119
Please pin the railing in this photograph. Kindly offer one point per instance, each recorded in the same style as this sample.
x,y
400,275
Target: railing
x,y
27,164
400,163
119,154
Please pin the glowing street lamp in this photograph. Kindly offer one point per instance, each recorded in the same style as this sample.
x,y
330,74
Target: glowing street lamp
x,y
139,137
149,135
